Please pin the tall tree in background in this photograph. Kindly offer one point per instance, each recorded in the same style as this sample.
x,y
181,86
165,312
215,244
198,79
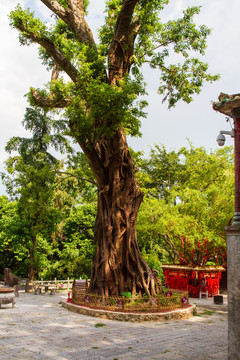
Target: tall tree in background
x,y
31,178
187,205
101,107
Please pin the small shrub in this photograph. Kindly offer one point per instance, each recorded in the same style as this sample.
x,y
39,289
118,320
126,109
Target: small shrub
x,y
127,294
97,325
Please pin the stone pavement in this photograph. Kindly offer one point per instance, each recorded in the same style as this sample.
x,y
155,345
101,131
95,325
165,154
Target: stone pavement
x,y
39,328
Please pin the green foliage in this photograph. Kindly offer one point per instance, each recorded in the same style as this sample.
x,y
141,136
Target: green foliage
x,y
191,204
45,132
110,107
126,294
30,178
157,42
179,219
182,37
8,257
181,81
72,254
35,234
85,184
161,171
97,325
97,107
64,3
24,21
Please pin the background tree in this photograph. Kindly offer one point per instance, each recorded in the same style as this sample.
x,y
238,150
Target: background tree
x,y
183,223
101,107
73,246
9,257
161,170
77,247
30,179
47,198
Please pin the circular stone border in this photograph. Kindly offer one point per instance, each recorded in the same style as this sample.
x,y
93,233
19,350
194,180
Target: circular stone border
x,y
133,317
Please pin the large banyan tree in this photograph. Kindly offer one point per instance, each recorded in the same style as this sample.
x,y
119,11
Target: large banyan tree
x,y
99,101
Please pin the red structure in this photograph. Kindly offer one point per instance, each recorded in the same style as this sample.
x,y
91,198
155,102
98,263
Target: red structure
x,y
69,299
197,280
237,163
230,105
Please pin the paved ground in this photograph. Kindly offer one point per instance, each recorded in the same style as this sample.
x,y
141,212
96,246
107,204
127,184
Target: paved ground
x,y
39,328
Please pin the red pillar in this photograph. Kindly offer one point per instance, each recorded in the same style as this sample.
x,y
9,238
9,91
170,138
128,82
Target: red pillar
x,y
237,164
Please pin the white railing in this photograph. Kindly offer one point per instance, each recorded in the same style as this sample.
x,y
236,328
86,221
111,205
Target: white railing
x,y
56,284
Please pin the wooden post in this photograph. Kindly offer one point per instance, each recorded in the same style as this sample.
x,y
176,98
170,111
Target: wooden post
x,y
26,286
68,284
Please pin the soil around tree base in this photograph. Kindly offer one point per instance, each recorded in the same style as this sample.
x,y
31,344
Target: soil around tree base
x,y
177,314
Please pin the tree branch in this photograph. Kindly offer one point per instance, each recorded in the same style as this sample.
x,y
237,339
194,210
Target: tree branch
x,y
49,102
170,243
52,51
125,16
58,9
37,35
78,23
95,163
59,58
74,17
77,177
122,45
157,47
135,26
55,72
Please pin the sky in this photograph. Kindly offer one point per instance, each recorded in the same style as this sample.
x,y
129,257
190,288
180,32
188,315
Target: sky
x,y
21,69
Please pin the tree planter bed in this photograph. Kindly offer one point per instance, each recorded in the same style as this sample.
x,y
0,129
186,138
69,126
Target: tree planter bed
x,y
176,314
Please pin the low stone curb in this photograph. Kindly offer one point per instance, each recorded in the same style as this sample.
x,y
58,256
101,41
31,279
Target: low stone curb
x,y
132,317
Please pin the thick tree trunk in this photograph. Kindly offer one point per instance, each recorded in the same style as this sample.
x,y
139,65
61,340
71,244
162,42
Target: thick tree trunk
x,y
118,265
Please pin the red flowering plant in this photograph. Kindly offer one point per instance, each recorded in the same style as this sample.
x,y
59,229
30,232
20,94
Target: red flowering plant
x,y
201,253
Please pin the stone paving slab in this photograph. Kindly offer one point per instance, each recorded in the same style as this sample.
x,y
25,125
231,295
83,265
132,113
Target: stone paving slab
x,y
39,328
